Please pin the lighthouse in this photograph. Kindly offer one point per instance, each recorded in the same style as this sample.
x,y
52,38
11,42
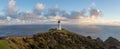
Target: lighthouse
x,y
59,25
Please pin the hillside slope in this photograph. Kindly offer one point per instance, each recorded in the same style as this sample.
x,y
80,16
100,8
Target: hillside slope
x,y
54,39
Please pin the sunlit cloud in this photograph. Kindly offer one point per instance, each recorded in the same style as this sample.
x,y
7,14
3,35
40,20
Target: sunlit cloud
x,y
38,9
11,9
42,15
39,6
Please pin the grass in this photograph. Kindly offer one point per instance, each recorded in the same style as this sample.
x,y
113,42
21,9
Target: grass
x,y
4,44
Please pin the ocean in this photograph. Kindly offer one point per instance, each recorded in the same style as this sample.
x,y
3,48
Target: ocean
x,y
101,31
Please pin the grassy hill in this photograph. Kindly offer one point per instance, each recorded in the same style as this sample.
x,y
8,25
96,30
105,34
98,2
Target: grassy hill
x,y
4,44
53,39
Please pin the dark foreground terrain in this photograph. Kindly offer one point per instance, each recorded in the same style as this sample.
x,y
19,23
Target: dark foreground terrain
x,y
57,39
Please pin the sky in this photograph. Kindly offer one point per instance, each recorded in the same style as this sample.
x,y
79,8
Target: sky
x,y
48,11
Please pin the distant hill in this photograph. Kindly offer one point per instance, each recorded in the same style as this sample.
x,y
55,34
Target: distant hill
x,y
60,39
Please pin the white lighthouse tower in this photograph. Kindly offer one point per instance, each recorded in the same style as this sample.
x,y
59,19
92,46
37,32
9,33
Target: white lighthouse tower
x,y
59,25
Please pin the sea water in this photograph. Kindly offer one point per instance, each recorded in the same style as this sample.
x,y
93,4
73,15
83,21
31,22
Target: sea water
x,y
102,31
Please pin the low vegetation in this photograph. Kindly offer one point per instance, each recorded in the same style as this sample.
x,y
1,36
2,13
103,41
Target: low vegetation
x,y
4,44
55,39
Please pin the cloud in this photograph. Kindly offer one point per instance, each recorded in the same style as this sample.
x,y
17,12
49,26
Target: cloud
x,y
2,17
29,16
33,17
11,3
94,13
39,8
56,13
63,13
53,11
57,17
42,15
11,9
74,14
77,14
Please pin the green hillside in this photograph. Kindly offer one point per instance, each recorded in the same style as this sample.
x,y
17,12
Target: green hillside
x,y
4,44
55,39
